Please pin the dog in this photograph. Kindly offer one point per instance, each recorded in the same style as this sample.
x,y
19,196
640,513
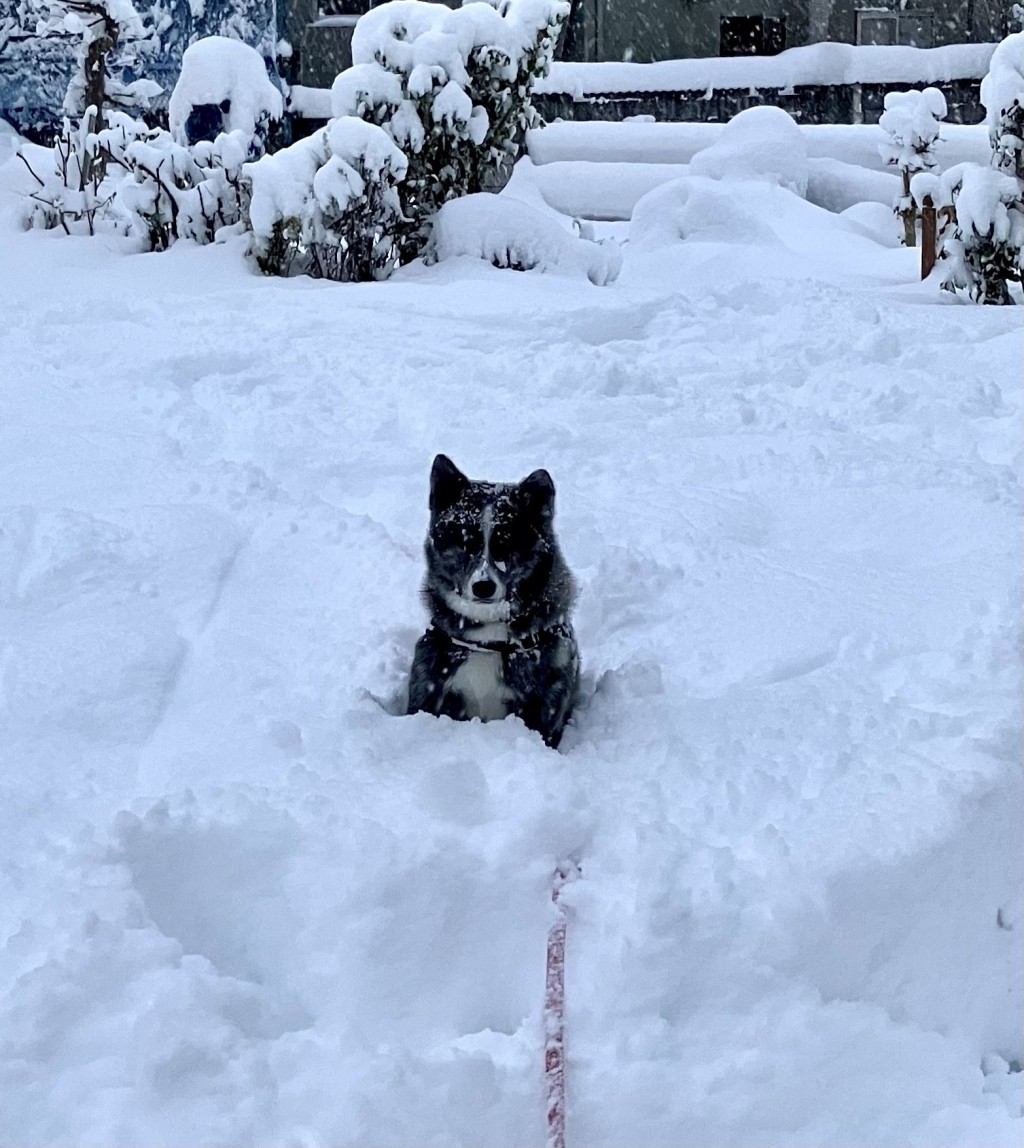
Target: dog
x,y
499,595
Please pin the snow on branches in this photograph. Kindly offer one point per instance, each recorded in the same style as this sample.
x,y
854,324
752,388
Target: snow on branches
x,y
328,206
911,120
452,88
981,209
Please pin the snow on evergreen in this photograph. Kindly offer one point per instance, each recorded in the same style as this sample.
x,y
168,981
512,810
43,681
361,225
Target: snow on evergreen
x,y
981,208
462,99
912,123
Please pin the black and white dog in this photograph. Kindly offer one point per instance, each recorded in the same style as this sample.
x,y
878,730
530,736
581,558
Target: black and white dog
x,y
499,595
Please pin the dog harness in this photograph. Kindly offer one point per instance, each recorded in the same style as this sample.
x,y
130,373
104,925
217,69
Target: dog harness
x,y
512,646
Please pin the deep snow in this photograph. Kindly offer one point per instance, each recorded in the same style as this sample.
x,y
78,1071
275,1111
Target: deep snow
x,y
243,903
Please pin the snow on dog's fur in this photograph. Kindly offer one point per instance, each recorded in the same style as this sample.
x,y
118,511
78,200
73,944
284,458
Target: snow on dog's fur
x,y
499,594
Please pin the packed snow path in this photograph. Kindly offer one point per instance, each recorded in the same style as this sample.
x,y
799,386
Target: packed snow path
x,y
241,902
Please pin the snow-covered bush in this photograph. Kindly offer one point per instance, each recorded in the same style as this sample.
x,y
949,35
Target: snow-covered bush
x,y
761,143
911,120
981,209
171,191
981,229
70,195
328,206
1002,93
452,88
506,233
231,76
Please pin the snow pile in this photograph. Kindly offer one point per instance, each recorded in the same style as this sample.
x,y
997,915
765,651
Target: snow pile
x,y
1002,93
700,209
328,205
762,143
228,74
814,64
507,233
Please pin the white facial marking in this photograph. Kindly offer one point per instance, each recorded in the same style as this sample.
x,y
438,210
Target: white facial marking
x,y
477,611
485,570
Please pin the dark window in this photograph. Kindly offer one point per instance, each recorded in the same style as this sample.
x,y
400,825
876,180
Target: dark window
x,y
751,36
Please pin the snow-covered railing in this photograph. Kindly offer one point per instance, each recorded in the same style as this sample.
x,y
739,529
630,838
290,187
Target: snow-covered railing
x,y
816,65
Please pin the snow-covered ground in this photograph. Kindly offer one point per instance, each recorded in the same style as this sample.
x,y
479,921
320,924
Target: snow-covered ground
x,y
242,902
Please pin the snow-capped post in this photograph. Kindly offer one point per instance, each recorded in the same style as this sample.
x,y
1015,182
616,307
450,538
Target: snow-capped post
x,y
554,1010
911,120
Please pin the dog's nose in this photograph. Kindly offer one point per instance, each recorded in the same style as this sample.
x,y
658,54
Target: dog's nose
x,y
484,589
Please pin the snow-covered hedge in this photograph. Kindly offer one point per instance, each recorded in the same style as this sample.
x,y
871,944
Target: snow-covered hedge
x,y
507,233
911,120
328,206
451,87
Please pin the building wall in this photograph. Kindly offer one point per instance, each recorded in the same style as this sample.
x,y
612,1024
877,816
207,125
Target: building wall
x,y
647,30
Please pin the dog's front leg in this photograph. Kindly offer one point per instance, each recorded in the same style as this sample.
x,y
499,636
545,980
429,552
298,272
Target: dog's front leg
x,y
433,667
543,690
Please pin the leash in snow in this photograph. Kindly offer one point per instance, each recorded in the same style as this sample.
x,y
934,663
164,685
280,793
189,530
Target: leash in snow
x,y
554,1010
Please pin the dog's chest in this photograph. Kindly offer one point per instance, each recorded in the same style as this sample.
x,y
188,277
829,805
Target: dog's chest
x,y
480,681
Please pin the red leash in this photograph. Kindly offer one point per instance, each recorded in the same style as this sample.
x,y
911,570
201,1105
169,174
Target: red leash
x,y
554,1011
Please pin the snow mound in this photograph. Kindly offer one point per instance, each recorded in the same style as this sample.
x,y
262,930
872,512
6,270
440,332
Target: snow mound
x,y
218,70
760,143
697,208
507,233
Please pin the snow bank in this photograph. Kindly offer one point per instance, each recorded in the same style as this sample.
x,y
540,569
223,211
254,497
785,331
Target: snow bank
x,y
760,143
217,69
827,63
506,233
652,143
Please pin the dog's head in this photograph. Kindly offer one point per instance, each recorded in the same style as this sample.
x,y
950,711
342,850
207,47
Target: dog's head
x,y
491,546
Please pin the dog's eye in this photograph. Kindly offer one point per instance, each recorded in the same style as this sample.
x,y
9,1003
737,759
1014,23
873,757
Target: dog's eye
x,y
505,541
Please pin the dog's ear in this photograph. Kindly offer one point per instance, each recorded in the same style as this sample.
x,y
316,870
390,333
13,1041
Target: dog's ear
x,y
537,492
447,484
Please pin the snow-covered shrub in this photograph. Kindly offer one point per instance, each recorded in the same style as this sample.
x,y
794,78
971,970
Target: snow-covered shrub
x,y
981,229
452,88
507,233
1002,93
981,209
328,206
232,77
911,120
695,208
71,194
171,191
